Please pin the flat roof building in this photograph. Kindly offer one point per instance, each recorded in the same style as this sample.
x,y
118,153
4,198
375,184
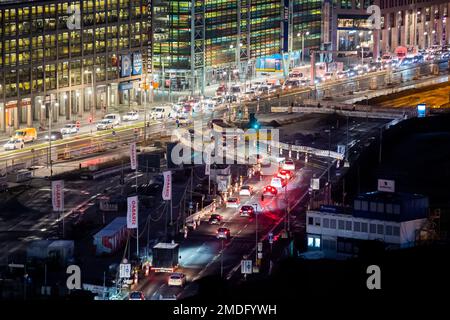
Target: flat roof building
x,y
395,219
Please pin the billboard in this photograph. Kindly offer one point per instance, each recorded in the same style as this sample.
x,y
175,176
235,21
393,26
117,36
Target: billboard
x,y
137,64
386,185
421,110
125,65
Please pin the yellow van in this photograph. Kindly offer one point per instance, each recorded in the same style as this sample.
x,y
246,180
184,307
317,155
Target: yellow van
x,y
26,134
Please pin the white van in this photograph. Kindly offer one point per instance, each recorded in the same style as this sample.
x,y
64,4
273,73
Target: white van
x,y
114,117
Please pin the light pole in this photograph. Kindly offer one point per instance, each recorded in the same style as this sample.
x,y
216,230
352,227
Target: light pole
x,y
303,34
362,54
221,260
255,205
91,92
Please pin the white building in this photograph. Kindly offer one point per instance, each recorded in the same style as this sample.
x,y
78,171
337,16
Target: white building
x,y
392,218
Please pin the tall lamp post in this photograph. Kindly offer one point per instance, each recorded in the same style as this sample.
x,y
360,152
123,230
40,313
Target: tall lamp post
x,y
91,92
303,34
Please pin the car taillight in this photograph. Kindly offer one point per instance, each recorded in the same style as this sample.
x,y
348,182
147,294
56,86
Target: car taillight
x,y
240,210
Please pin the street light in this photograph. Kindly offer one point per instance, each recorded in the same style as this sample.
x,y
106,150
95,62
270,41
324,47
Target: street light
x,y
303,34
362,54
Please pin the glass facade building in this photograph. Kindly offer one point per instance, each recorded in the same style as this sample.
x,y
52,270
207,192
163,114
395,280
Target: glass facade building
x,y
69,58
225,35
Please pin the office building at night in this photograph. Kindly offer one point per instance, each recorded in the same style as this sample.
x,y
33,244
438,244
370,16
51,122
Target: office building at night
x,y
69,59
414,24
229,39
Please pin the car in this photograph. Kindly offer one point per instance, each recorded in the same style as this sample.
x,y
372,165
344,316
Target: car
x,y
131,116
114,117
221,90
269,191
69,128
183,120
14,144
246,211
291,83
246,191
54,135
215,219
177,279
136,295
341,74
284,174
223,233
105,124
278,182
233,202
288,164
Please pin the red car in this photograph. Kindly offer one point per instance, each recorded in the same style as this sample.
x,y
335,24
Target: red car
x,y
285,174
269,191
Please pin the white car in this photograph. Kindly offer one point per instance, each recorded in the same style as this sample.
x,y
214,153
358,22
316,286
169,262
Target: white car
x,y
70,128
246,191
131,116
288,164
177,279
14,144
114,117
233,203
105,124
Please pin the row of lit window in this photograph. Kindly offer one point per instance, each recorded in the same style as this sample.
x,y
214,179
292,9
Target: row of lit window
x,y
356,226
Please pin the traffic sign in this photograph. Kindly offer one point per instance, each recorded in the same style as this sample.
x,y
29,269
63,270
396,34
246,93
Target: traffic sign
x,y
270,237
246,266
125,270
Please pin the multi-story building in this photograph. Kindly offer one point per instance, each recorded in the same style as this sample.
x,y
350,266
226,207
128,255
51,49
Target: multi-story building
x,y
205,42
395,219
69,59
202,42
415,24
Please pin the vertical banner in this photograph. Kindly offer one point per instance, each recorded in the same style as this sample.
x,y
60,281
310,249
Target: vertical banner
x,y
58,195
133,158
207,169
167,189
132,212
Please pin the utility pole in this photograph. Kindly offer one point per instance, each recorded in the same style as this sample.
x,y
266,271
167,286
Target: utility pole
x,y
381,144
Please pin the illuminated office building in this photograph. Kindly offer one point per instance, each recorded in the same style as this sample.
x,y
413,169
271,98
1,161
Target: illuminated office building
x,y
415,24
69,59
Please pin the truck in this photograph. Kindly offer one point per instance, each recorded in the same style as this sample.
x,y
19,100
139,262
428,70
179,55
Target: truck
x,y
112,237
165,257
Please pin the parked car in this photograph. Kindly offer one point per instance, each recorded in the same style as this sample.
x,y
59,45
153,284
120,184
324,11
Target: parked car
x,y
105,124
177,279
215,219
233,203
131,116
69,128
246,191
246,211
223,233
13,144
